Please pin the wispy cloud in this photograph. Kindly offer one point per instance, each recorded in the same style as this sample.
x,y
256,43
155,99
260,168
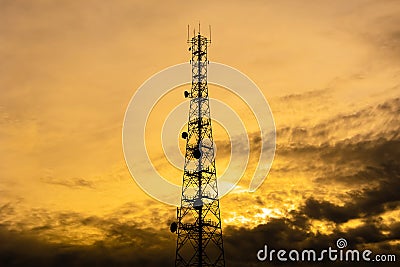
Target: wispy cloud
x,y
71,183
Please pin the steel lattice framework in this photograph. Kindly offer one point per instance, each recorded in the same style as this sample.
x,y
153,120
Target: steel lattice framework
x,y
199,229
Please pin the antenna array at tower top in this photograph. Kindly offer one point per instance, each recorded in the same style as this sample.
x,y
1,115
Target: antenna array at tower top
x,y
189,40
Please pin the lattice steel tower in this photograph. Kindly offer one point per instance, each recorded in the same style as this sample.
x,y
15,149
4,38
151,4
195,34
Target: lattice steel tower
x,y
198,224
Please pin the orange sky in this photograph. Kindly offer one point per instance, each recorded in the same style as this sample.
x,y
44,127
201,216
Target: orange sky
x,y
330,71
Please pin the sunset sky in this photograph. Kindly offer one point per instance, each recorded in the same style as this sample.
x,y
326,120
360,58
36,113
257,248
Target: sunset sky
x,y
330,71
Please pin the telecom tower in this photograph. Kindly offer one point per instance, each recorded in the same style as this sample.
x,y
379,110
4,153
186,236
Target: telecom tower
x,y
198,223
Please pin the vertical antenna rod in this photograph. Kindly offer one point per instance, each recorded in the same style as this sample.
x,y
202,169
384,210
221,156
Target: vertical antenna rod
x,y
209,29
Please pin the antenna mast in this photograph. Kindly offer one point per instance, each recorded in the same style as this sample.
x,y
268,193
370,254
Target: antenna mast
x,y
198,225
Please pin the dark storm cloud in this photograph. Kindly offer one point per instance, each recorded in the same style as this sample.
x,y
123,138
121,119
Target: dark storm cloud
x,y
358,159
25,249
365,164
369,163
49,241
114,224
128,245
294,232
241,244
372,167
362,203
375,153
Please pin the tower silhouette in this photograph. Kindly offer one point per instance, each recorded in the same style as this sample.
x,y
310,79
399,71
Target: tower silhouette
x,y
198,225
